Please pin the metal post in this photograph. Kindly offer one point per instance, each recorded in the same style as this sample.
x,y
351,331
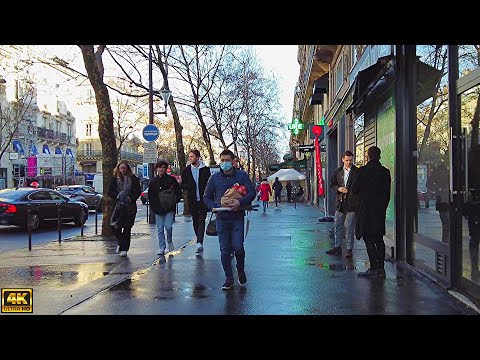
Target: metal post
x,y
147,212
81,222
151,218
29,228
59,222
96,216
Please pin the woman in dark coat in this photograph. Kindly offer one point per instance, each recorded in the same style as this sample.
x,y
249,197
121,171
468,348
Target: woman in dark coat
x,y
125,189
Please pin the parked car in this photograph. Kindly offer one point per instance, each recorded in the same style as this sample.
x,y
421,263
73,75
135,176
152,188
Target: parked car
x,y
144,196
84,194
44,207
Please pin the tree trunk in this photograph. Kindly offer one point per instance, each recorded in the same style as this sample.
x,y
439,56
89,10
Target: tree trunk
x,y
205,135
94,67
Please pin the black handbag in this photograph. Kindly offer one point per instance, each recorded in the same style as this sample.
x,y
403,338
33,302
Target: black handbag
x,y
212,227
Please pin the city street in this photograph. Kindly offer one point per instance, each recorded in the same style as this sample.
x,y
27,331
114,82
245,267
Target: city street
x,y
14,238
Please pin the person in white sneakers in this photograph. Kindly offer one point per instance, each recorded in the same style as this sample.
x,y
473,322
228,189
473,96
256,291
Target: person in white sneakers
x,y
164,209
125,189
194,180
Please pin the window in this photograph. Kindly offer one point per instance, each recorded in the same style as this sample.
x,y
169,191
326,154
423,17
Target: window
x,y
39,195
55,196
89,130
353,55
359,132
88,149
338,75
45,122
57,126
69,129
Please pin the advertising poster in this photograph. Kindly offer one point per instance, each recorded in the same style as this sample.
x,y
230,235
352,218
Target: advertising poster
x,y
386,143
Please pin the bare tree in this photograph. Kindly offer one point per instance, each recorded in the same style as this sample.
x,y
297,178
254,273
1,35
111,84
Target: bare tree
x,y
197,65
94,67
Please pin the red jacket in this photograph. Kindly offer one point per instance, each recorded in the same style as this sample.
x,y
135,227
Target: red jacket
x,y
266,191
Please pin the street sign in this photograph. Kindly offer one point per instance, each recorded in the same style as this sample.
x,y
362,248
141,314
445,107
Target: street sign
x,y
150,153
150,132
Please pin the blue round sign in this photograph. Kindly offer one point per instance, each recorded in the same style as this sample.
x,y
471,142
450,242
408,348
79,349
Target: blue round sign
x,y
151,132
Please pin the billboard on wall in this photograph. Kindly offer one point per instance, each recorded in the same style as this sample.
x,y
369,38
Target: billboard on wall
x,y
386,143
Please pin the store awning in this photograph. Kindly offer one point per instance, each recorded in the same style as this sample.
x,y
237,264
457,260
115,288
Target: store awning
x,y
33,149
58,150
372,82
69,152
46,149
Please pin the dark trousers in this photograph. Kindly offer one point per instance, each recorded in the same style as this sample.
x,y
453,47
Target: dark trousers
x,y
123,236
289,196
199,214
278,198
375,250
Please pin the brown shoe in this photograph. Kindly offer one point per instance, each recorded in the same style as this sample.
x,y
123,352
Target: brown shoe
x,y
334,251
349,253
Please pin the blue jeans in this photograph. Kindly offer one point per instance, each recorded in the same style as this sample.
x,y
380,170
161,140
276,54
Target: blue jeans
x,y
164,221
231,237
265,204
344,221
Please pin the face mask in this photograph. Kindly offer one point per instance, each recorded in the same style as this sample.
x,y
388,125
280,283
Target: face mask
x,y
225,166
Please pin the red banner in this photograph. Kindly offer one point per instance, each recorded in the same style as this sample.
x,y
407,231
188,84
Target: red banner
x,y
318,158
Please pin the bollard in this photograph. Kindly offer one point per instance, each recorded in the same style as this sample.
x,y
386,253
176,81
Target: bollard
x,y
29,219
177,209
147,211
96,216
59,223
81,222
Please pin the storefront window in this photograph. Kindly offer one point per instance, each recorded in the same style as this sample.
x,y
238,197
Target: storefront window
x,y
470,107
432,213
359,126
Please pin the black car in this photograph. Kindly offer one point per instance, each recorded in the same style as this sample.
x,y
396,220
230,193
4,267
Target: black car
x,y
43,204
83,193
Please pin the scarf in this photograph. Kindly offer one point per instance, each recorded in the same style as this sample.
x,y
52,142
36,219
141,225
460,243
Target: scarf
x,y
124,185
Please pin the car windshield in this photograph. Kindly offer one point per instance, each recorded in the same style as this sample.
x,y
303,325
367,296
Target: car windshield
x,y
13,194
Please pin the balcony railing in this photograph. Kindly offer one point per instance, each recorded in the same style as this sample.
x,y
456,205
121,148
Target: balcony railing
x,y
94,154
125,155
89,154
52,135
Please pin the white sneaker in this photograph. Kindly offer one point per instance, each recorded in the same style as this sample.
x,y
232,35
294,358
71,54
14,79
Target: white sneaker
x,y
161,252
123,253
170,246
199,248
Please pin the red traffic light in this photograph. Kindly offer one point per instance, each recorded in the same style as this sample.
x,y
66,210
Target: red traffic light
x,y
317,130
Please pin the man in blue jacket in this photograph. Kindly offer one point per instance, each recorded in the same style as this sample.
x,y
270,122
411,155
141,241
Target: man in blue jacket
x,y
230,224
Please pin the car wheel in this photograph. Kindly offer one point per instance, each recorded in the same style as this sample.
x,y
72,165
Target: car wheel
x,y
78,221
34,222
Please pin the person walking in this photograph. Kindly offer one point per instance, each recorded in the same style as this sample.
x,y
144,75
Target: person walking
x,y
265,191
125,189
289,191
230,224
346,205
277,186
372,185
194,180
164,207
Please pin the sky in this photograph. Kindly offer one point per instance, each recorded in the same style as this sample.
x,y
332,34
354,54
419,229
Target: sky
x,y
279,59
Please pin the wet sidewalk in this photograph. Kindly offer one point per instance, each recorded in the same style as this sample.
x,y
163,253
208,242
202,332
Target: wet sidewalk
x,y
287,269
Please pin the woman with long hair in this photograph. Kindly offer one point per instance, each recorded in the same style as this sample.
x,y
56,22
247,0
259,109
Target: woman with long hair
x,y
125,189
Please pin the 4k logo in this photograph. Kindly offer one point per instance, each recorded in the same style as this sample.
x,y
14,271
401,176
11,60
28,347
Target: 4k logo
x,y
17,300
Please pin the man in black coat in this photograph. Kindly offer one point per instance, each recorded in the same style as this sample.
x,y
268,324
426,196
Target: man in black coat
x,y
194,179
372,184
346,204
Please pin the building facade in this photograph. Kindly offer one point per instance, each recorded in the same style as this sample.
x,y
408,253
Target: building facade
x,y
421,106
